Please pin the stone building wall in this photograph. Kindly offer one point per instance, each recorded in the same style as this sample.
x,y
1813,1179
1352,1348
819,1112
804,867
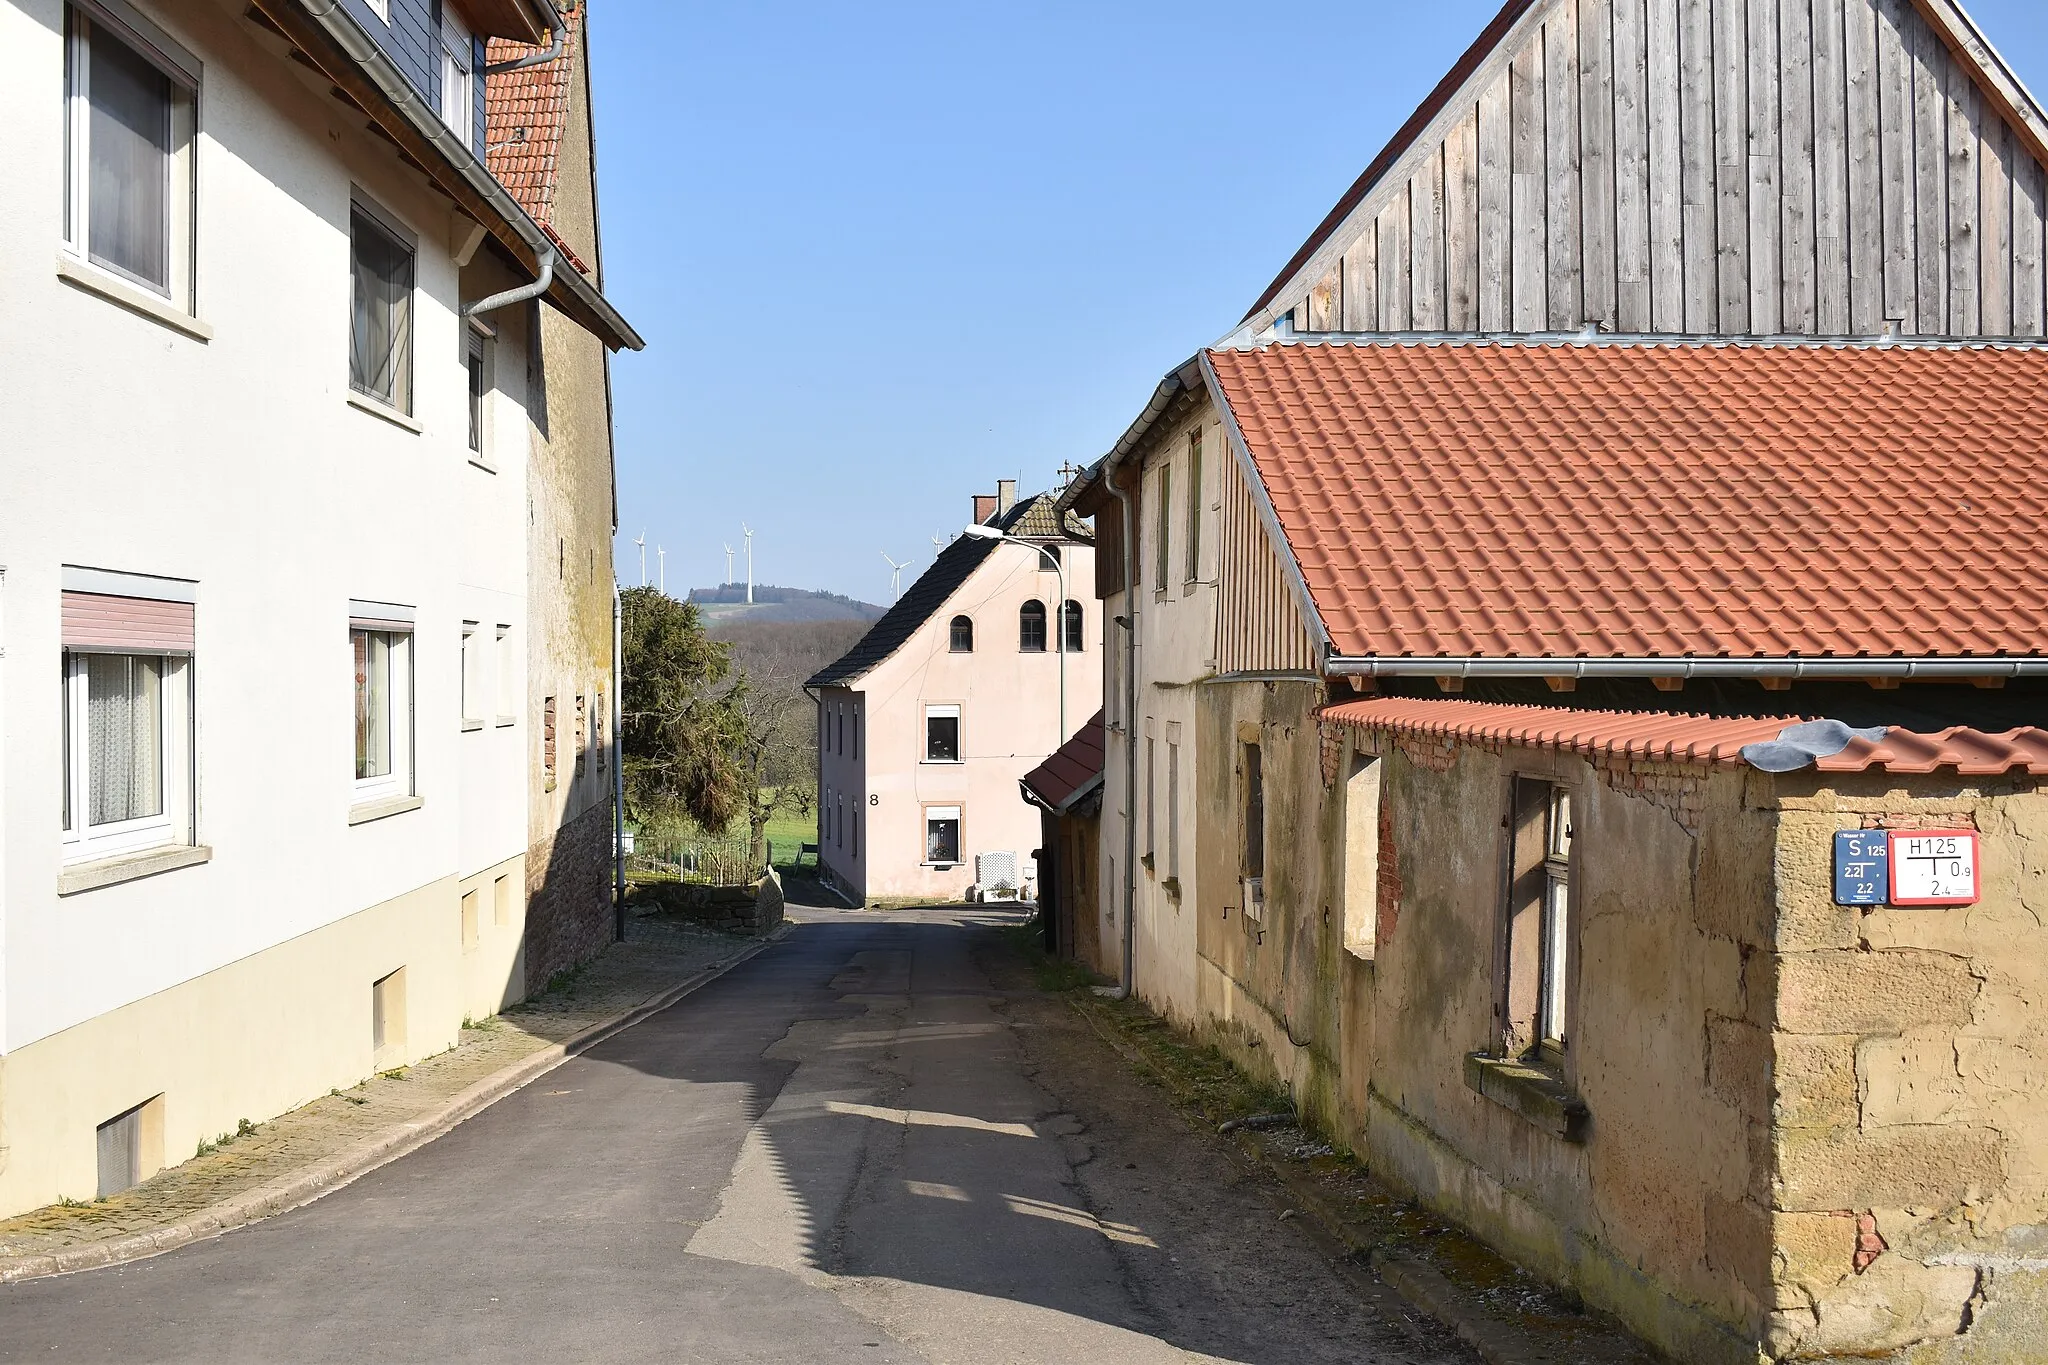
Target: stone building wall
x,y
1910,1048
569,913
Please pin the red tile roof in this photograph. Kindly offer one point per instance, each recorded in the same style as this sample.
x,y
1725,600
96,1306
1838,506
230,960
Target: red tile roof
x,y
1607,500
1074,769
1663,736
525,112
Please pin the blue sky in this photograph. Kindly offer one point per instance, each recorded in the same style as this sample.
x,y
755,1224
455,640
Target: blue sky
x,y
884,255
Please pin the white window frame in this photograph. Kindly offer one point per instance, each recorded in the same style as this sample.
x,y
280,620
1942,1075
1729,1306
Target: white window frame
x,y
181,189
458,74
380,8
172,825
402,397
957,815
472,675
394,622
479,376
1552,1022
508,676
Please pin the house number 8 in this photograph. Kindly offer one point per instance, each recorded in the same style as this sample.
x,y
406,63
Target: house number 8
x,y
874,800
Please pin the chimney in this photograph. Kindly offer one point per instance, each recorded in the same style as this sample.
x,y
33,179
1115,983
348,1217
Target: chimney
x,y
1006,494
984,508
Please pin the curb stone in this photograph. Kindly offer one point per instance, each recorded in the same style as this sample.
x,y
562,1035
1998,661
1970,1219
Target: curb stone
x,y
1421,1285
303,1187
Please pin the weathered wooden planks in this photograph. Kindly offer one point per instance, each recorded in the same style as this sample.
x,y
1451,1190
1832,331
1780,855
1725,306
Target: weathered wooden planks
x,y
1743,167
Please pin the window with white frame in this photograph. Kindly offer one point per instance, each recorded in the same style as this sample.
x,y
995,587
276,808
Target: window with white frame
x,y
380,320
942,734
472,676
477,358
381,646
126,718
1535,990
508,677
942,835
130,119
458,59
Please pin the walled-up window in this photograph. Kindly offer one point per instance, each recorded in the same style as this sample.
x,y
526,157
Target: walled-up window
x,y
963,635
1362,856
1031,627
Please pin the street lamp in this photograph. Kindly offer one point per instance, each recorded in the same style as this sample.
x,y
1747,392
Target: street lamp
x,y
1059,615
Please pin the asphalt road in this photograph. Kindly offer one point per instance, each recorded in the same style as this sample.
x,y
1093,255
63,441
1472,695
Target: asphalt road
x,y
852,1148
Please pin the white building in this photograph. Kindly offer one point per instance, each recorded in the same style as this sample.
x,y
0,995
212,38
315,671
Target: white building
x,y
927,725
263,513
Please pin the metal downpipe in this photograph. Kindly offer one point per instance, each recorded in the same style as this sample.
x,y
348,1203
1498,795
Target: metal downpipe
x,y
558,33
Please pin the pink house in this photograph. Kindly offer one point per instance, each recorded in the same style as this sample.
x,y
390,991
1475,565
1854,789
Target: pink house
x,y
926,726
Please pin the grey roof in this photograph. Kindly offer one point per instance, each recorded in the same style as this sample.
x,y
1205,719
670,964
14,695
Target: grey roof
x,y
1031,518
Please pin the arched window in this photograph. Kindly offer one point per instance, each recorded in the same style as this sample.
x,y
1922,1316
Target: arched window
x,y
1072,643
963,635
1031,627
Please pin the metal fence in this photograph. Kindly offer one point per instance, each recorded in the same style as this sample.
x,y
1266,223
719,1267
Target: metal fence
x,y
715,862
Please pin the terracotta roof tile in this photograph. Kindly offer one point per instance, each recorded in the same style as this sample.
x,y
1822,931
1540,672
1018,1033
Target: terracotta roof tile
x,y
1073,770
524,114
1667,500
1662,736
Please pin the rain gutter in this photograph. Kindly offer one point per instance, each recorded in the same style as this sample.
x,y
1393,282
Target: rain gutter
x,y
475,189
1680,666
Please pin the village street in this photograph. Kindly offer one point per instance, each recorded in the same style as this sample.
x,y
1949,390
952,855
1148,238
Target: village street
x,y
873,1142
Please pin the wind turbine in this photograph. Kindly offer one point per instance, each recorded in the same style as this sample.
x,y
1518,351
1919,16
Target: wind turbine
x,y
728,563
938,541
642,543
661,566
895,576
749,538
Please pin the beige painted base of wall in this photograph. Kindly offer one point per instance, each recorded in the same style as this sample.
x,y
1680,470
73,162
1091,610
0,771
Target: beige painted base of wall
x,y
261,1036
1406,1154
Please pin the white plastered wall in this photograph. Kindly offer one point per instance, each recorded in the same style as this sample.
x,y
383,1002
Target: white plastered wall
x,y
238,462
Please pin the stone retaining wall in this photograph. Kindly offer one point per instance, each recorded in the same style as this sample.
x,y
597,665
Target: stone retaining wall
x,y
754,909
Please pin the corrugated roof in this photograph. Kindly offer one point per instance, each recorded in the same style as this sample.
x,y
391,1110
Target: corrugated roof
x,y
1662,736
1623,500
1072,771
954,565
525,112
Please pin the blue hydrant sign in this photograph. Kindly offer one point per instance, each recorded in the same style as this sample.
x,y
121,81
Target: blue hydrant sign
x,y
1862,866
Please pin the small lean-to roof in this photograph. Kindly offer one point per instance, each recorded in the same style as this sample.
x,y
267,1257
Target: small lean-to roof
x,y
936,585
1071,773
1465,499
1666,737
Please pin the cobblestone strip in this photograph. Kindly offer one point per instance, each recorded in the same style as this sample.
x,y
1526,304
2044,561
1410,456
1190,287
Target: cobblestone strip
x,y
321,1146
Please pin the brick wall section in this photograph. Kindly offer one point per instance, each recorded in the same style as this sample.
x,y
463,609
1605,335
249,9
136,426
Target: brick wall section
x,y
1678,788
569,896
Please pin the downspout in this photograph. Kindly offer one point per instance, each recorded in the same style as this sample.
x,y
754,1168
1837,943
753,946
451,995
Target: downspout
x,y
558,32
618,769
522,294
1123,990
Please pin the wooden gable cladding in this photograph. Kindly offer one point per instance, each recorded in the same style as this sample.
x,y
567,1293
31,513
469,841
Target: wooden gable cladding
x,y
1259,626
1732,167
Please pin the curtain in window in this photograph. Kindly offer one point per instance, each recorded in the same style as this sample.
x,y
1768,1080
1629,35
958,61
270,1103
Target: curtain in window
x,y
373,702
124,736
380,332
129,144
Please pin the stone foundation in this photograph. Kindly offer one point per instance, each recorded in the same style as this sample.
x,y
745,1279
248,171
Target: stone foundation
x,y
569,896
